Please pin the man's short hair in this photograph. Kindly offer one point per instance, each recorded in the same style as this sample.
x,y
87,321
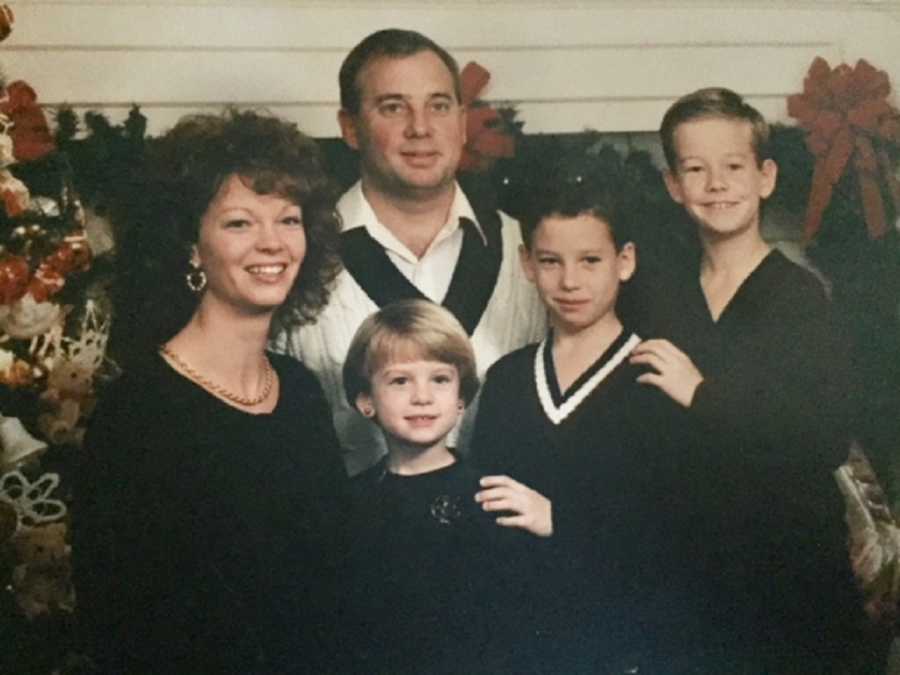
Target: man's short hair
x,y
713,102
392,43
408,329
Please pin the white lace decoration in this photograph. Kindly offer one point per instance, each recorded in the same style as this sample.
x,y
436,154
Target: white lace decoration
x,y
32,501
76,358
558,414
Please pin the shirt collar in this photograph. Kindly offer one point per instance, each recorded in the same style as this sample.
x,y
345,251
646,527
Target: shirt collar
x,y
357,212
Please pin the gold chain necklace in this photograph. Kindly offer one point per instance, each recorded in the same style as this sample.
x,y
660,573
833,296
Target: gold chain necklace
x,y
218,389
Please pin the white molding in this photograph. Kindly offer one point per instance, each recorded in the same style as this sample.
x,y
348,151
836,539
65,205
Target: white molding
x,y
817,5
611,65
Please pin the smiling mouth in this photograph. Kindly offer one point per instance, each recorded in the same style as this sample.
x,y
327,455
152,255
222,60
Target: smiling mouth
x,y
420,157
267,270
571,304
720,206
420,420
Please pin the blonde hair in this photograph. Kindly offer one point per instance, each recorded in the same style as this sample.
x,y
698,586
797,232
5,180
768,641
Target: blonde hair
x,y
405,330
713,102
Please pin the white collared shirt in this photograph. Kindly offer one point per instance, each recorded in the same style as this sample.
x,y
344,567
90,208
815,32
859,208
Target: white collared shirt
x,y
432,272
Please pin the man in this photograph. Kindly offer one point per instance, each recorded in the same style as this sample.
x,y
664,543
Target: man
x,y
409,231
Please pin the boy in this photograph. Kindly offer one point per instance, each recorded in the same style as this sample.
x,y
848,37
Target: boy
x,y
429,571
748,350
568,436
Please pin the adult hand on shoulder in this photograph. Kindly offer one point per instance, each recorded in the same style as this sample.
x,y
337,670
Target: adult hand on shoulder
x,y
529,509
675,374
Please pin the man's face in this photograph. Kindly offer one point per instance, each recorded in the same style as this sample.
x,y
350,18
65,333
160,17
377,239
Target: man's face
x,y
410,128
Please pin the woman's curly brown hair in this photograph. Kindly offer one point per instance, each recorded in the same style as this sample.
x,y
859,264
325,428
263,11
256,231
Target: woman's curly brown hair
x,y
159,224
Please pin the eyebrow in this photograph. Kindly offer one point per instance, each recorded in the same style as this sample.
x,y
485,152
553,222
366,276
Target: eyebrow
x,y
400,368
401,97
583,251
741,154
388,97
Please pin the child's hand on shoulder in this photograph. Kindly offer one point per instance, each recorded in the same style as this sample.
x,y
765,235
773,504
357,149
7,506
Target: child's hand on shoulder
x,y
526,509
676,374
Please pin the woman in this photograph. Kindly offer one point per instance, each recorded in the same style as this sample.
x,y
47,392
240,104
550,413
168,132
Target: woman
x,y
205,526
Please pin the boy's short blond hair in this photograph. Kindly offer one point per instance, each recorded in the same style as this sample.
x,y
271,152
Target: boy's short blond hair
x,y
406,330
715,102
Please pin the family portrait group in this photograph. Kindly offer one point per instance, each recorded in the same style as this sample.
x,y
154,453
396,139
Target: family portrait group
x,y
394,429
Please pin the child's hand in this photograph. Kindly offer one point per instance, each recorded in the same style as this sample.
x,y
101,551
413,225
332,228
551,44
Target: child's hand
x,y
529,509
676,374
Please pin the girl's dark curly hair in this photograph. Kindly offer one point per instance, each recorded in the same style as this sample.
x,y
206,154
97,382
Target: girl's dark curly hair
x,y
158,224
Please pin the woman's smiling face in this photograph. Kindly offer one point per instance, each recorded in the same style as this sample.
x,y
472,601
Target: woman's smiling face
x,y
251,247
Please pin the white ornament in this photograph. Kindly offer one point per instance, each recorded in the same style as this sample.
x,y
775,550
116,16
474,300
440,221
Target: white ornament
x,y
29,318
16,444
32,501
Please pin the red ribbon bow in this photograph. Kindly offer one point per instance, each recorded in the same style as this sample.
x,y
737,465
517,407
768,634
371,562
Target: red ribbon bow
x,y
16,279
30,132
487,140
846,112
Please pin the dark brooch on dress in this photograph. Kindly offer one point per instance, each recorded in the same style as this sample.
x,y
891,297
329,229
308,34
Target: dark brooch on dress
x,y
446,509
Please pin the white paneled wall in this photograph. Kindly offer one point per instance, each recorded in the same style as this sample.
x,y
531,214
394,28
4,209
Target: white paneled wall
x,y
613,66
